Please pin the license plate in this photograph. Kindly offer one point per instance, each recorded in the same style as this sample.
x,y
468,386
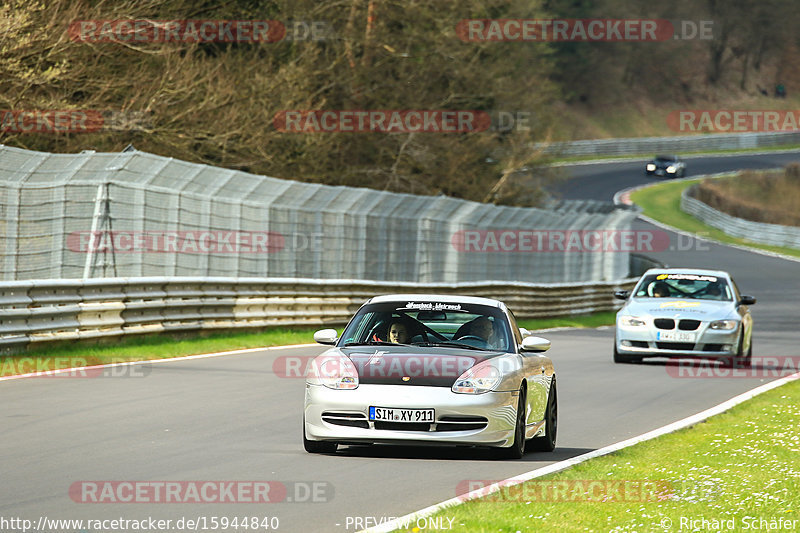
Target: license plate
x,y
677,336
660,172
393,414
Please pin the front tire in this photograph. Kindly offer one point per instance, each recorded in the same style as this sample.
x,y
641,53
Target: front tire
x,y
619,358
547,443
317,446
517,449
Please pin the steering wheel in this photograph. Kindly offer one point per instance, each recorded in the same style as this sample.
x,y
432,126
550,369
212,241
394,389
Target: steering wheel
x,y
473,340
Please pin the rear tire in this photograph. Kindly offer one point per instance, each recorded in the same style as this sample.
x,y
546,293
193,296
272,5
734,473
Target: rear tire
x,y
317,446
547,443
517,449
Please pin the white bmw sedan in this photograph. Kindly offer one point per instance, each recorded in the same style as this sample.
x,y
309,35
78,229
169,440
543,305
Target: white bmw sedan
x,y
680,312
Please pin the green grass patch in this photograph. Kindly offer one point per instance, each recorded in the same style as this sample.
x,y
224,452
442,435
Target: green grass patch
x,y
594,320
739,466
662,202
144,347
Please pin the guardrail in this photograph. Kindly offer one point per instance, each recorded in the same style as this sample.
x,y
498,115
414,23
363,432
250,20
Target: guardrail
x,y
49,310
685,143
772,234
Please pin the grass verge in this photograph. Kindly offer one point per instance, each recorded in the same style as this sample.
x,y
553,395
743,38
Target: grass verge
x,y
662,202
140,348
739,467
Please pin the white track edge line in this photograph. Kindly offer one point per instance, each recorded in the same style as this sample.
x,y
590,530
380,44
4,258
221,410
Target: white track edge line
x,y
567,463
149,361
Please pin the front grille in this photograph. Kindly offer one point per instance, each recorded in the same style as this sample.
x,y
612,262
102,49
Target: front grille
x,y
664,323
446,423
688,324
461,423
675,345
355,420
712,348
402,426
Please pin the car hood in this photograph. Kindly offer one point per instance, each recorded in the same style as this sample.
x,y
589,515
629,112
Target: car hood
x,y
663,164
704,310
413,365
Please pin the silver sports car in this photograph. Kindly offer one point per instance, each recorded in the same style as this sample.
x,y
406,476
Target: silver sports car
x,y
680,312
417,369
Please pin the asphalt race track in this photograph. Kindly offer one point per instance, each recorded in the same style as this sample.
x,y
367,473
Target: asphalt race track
x,y
232,419
599,181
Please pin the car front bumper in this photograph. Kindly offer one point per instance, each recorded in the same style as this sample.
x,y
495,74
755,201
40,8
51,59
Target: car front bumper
x,y
710,343
326,410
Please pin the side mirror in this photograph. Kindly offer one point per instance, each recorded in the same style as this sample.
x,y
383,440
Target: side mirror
x,y
746,300
326,336
622,295
535,344
524,332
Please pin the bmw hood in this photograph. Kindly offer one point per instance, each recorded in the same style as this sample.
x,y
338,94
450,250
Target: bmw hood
x,y
703,310
411,365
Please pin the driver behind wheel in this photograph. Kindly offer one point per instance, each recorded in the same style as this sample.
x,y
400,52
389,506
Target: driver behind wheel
x,y
483,328
398,333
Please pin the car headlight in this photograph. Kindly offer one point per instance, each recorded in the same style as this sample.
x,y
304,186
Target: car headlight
x,y
334,372
671,169
631,321
723,324
478,380
651,166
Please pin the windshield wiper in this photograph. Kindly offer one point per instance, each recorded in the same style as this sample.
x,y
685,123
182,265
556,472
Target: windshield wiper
x,y
375,343
448,344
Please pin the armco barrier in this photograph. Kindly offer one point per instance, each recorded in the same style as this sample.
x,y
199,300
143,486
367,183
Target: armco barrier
x,y
37,311
678,144
772,234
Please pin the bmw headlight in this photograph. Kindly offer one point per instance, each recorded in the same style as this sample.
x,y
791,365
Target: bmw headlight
x,y
334,372
631,321
478,380
723,324
671,169
651,166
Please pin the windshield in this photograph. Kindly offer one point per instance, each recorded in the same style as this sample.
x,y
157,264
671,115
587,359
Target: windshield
x,y
684,286
426,323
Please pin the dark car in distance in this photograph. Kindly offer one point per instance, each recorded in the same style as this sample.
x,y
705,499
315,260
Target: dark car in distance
x,y
670,166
